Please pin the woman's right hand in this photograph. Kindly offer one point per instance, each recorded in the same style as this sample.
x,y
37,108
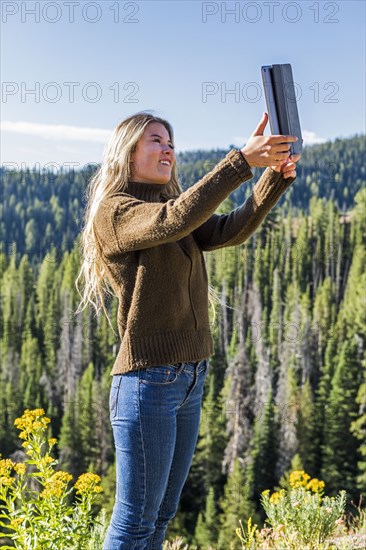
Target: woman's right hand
x,y
262,151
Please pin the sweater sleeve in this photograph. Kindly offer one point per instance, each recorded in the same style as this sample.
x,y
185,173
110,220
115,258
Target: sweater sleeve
x,y
237,226
124,223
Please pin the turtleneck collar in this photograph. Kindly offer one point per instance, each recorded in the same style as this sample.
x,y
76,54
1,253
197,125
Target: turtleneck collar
x,y
152,192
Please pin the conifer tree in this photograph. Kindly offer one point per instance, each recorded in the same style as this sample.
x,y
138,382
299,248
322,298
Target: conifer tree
x,y
261,472
212,438
206,531
71,456
25,285
322,395
358,428
88,412
30,369
296,464
11,319
305,426
340,446
274,325
235,504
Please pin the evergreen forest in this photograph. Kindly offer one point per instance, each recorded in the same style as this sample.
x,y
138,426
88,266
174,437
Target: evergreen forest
x,y
287,381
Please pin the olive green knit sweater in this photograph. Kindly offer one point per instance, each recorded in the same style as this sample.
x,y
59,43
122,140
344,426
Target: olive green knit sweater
x,y
151,245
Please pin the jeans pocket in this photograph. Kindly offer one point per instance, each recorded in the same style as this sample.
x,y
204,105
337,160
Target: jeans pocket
x,y
204,368
161,375
113,394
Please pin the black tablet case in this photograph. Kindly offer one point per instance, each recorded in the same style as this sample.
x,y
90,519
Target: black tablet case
x,y
281,102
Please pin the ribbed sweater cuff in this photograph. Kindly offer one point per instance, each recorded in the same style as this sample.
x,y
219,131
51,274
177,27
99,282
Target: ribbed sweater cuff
x,y
270,187
237,165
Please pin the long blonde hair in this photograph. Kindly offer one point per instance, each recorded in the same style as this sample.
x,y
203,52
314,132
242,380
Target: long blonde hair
x,y
113,175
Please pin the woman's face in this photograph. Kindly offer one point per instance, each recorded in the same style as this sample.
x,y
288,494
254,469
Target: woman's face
x,y
153,147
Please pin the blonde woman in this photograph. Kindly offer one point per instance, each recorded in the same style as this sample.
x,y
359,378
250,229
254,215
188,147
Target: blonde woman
x,y
143,241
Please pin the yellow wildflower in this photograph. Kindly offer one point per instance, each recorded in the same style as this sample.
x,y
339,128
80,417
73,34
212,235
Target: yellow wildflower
x,y
52,441
277,496
37,425
56,485
88,483
31,421
47,460
6,466
315,485
20,468
16,522
298,478
6,481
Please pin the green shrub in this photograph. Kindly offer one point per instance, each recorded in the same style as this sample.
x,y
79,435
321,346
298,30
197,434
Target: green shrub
x,y
299,517
34,498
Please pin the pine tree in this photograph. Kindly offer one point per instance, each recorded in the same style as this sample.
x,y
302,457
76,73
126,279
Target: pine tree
x,y
274,325
71,456
305,429
322,396
88,412
284,482
206,531
212,438
236,504
30,368
261,472
340,454
358,428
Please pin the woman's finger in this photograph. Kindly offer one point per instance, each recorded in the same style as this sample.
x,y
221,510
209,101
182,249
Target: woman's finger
x,y
281,148
280,157
278,138
290,174
295,158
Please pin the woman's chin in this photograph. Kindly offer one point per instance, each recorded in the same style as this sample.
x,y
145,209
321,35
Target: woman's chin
x,y
164,180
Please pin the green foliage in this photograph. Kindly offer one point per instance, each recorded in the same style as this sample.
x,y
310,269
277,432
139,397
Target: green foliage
x,y
48,206
296,320
340,446
35,498
261,471
207,524
247,537
358,428
300,516
235,503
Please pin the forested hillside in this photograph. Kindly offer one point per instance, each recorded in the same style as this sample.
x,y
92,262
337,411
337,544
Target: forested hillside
x,y
287,383
42,208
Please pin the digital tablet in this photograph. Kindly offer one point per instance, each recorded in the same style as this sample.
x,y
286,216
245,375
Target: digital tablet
x,y
279,91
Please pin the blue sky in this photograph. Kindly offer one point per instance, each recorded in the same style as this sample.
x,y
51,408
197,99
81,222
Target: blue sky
x,y
91,64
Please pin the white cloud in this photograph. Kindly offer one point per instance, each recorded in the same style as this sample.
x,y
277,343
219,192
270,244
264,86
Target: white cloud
x,y
57,132
310,138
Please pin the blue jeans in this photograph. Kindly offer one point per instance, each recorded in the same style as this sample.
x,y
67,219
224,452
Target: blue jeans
x,y
155,415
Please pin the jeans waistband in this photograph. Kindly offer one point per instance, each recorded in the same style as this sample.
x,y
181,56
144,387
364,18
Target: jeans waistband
x,y
194,365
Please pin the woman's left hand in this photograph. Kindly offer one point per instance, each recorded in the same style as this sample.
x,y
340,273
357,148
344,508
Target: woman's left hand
x,y
288,166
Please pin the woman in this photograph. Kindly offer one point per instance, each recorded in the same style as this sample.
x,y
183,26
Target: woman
x,y
147,239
